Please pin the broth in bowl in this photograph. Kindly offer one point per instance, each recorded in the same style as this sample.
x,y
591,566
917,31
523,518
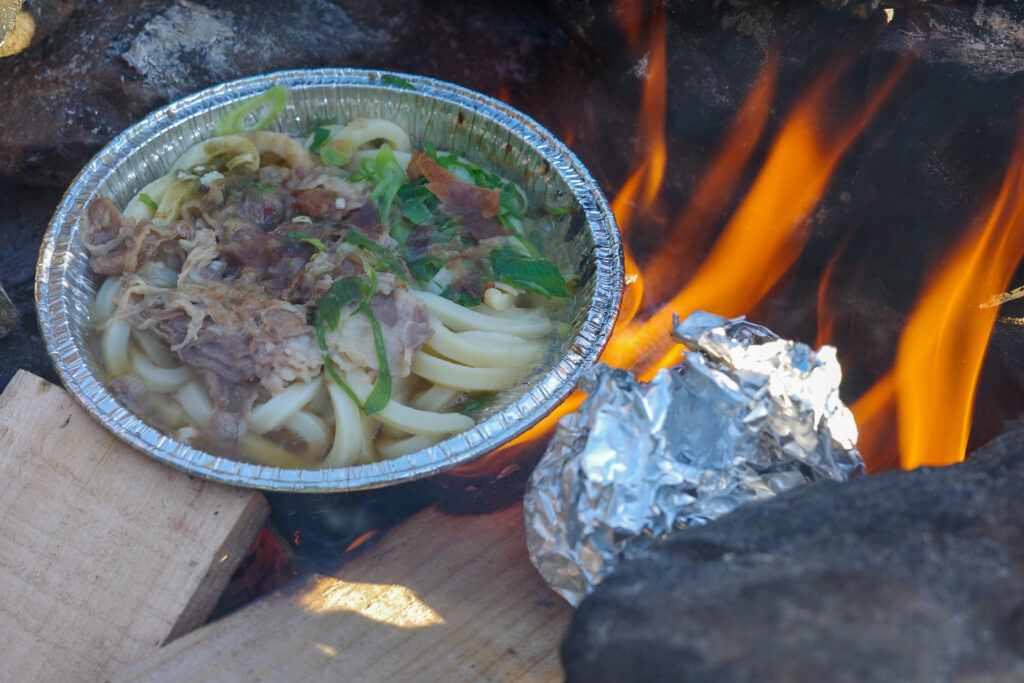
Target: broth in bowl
x,y
392,278
320,300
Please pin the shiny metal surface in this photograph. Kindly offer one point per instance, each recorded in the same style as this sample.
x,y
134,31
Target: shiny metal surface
x,y
745,417
481,128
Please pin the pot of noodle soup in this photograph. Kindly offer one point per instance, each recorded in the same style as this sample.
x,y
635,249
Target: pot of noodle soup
x,y
328,280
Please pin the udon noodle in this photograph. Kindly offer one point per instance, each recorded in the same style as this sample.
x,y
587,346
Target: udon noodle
x,y
319,303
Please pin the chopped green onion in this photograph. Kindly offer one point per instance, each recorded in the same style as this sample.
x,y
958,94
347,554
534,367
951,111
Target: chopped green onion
x,y
537,241
416,203
387,176
396,81
261,109
385,256
536,275
328,313
148,201
325,353
342,293
332,158
263,188
400,232
461,297
474,402
320,136
424,269
381,393
306,238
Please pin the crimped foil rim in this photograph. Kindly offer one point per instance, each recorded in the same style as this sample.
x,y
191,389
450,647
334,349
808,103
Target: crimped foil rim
x,y
54,300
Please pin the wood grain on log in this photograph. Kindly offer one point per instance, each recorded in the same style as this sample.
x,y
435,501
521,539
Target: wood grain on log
x,y
106,553
441,598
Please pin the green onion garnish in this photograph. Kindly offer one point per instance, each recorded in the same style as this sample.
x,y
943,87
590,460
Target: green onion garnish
x,y
424,269
387,176
385,257
306,238
320,136
263,188
333,158
536,275
474,402
342,293
148,201
398,82
253,114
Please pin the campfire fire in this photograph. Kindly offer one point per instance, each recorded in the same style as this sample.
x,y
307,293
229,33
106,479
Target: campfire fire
x,y
851,199
917,413
743,237
930,392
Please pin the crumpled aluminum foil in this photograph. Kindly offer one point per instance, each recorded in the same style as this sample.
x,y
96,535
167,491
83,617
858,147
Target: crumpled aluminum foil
x,y
746,416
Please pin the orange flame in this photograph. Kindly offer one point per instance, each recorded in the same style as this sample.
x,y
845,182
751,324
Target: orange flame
x,y
876,439
764,237
759,244
504,93
651,153
709,200
640,191
363,538
826,317
630,15
943,345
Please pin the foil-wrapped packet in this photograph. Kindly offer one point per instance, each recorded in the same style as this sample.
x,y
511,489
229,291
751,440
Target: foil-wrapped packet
x,y
746,416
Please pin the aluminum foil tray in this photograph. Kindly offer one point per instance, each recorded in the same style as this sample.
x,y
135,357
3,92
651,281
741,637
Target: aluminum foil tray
x,y
479,127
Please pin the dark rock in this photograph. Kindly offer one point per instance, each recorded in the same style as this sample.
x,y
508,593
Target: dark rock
x,y
935,156
8,314
909,576
514,51
111,63
24,214
716,49
36,20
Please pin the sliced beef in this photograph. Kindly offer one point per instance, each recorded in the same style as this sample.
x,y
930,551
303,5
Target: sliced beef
x,y
366,221
243,245
171,325
225,355
119,245
285,350
405,325
479,227
285,259
228,369
231,403
476,206
317,203
263,209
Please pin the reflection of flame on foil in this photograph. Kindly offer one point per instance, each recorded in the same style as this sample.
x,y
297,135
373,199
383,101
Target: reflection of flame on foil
x,y
746,417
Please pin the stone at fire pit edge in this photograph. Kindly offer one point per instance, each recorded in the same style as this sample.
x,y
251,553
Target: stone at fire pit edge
x,y
913,576
110,64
